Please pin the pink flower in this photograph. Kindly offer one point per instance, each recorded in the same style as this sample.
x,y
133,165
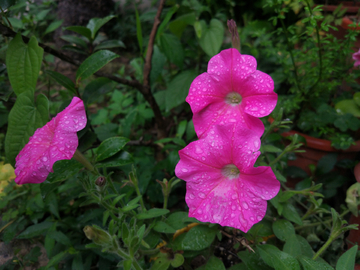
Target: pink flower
x,y
222,186
55,141
356,57
232,91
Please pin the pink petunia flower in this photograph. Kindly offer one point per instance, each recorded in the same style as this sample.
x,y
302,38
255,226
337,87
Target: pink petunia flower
x,y
222,186
356,57
232,91
57,140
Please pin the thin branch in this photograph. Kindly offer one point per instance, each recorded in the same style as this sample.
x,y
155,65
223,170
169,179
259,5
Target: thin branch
x,y
150,48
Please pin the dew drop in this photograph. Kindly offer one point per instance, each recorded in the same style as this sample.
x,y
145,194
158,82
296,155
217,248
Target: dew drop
x,y
184,170
202,195
245,205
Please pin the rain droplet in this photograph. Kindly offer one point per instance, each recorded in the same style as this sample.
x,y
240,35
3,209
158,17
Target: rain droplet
x,y
202,195
245,205
184,170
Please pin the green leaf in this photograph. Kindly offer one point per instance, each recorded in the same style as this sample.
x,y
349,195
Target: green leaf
x,y
347,260
309,264
253,261
110,147
93,63
212,38
96,23
77,263
64,169
348,106
172,48
75,40
60,237
178,25
178,260
290,213
109,44
86,32
53,26
23,62
139,31
292,246
270,149
213,263
52,203
4,4
163,227
165,21
24,118
326,163
62,80
356,98
199,238
278,259
56,259
152,213
120,159
283,229
35,230
178,89
158,61
95,88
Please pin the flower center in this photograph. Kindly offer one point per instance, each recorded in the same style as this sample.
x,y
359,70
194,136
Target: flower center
x,y
233,98
230,171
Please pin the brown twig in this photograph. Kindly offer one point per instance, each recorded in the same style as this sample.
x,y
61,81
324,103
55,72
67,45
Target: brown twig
x,y
143,88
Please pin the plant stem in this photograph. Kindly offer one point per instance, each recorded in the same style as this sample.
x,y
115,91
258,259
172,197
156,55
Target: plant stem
x,y
321,222
143,209
136,265
324,247
83,160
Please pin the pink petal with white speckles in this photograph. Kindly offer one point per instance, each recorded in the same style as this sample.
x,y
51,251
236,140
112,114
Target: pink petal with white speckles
x,y
231,63
222,114
259,99
57,140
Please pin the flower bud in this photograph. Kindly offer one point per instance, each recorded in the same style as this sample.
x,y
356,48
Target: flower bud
x,y
100,181
97,235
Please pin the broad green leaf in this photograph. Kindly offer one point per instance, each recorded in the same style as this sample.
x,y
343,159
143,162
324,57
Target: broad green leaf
x,y
52,203
86,32
348,106
77,263
253,261
326,163
4,4
163,227
214,263
53,26
309,264
178,25
62,80
199,238
94,62
158,61
178,89
292,246
110,147
16,23
179,220
24,118
35,230
96,23
356,98
161,264
347,260
165,21
290,213
177,261
212,38
23,62
108,44
152,213
305,247
283,229
75,40
277,259
60,237
64,169
120,159
56,259
172,48
270,149
139,31
95,88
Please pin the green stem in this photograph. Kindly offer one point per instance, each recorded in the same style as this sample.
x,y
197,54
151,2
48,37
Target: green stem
x,y
136,265
321,222
83,160
143,209
278,158
324,247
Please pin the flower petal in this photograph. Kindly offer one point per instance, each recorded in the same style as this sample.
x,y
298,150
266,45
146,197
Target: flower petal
x,y
57,140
